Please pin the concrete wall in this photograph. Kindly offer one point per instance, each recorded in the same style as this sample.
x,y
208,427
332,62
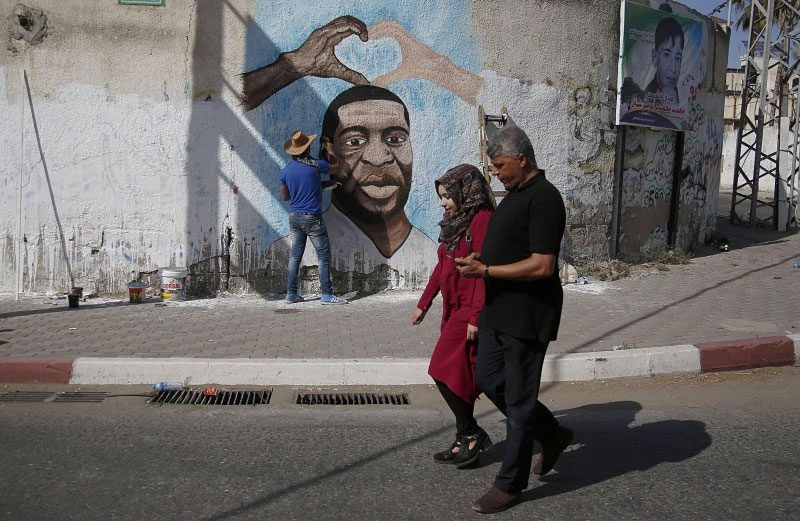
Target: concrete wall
x,y
155,159
649,161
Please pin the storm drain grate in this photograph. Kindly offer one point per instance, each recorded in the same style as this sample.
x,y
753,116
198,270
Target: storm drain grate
x,y
188,397
26,396
352,399
81,397
45,396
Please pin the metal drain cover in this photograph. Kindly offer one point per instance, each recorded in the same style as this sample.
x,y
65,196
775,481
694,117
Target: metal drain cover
x,y
47,396
26,396
81,397
352,399
189,397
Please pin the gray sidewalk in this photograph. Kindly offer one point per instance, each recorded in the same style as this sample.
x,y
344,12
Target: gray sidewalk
x,y
749,291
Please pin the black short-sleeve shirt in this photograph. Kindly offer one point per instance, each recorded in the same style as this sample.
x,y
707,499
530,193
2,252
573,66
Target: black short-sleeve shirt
x,y
530,219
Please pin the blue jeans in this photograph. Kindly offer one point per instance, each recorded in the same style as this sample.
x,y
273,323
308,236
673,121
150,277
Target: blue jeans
x,y
302,225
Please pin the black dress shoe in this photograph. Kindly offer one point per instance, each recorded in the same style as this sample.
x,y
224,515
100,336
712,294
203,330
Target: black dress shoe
x,y
552,450
466,456
495,501
447,455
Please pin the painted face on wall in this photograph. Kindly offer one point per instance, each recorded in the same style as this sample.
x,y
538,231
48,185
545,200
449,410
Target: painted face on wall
x,y
373,148
667,59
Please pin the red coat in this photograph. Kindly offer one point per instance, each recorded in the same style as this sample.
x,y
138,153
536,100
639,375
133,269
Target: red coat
x,y
453,359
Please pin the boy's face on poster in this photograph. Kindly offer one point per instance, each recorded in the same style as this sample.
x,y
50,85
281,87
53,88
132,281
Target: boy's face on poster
x,y
667,59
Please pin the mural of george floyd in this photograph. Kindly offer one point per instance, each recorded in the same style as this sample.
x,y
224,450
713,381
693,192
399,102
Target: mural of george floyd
x,y
154,136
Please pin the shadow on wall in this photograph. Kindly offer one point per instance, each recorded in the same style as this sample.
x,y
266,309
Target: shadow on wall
x,y
224,228
231,225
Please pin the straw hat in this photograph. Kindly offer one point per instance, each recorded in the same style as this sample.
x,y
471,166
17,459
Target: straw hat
x,y
298,143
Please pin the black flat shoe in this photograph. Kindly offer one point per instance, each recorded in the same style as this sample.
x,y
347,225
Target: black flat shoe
x,y
447,455
466,457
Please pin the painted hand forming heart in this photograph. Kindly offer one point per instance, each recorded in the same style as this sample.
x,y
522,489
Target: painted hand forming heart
x,y
386,53
373,58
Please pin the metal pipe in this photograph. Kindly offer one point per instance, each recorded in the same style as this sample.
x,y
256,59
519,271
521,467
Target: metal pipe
x,y
49,184
793,180
616,205
500,118
730,4
675,196
19,192
762,102
747,84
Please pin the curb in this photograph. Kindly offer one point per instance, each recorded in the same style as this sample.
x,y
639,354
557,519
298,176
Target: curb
x,y
599,365
745,354
36,370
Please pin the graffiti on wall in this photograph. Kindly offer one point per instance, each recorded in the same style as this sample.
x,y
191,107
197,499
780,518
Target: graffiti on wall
x,y
647,186
375,218
650,153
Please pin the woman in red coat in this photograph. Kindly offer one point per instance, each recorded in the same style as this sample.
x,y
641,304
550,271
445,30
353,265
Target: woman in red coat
x,y
468,202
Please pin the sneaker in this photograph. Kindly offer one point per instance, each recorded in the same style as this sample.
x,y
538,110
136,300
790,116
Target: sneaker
x,y
293,299
332,299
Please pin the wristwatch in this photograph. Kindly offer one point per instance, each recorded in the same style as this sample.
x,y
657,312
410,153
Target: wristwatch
x,y
485,271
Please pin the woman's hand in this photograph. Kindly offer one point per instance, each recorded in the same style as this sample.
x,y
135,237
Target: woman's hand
x,y
472,333
417,317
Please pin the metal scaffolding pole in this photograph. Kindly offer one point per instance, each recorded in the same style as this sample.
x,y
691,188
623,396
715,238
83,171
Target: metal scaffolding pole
x,y
759,156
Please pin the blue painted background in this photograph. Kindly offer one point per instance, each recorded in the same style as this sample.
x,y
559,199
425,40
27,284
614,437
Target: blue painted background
x,y
438,139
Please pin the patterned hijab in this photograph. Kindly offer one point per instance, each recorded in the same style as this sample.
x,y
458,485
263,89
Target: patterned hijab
x,y
470,192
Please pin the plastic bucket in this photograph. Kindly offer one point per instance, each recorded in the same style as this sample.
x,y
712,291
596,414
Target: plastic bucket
x,y
136,292
173,283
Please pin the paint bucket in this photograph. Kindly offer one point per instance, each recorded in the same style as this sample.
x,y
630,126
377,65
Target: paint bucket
x,y
136,292
173,283
73,300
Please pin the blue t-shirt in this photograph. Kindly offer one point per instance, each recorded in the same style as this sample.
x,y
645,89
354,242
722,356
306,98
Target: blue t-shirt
x,y
305,185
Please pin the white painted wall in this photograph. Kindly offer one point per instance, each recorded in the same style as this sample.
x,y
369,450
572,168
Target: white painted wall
x,y
153,161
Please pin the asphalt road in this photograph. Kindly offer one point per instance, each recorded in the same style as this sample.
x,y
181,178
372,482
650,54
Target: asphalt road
x,y
714,446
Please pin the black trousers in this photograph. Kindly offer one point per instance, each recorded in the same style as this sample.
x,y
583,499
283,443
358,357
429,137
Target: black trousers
x,y
508,371
466,425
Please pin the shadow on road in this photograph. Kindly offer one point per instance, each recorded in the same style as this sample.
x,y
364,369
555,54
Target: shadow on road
x,y
608,446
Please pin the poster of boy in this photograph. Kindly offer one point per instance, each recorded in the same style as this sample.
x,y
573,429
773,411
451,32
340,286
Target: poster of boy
x,y
660,67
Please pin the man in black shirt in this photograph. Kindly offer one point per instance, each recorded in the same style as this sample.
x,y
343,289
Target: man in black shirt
x,y
522,312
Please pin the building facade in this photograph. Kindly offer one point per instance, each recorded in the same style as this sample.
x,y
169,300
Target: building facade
x,y
152,136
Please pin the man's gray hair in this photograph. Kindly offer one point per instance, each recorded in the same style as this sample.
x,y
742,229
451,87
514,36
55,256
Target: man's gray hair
x,y
509,140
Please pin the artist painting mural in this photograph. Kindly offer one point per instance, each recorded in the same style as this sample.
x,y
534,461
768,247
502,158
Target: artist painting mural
x,y
373,239
661,58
